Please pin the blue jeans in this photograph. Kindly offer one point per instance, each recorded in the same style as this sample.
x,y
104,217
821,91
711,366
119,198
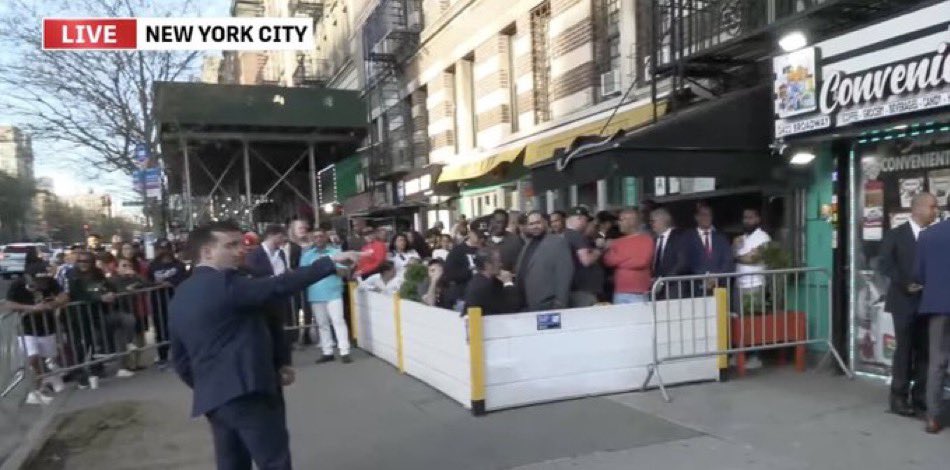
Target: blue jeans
x,y
623,298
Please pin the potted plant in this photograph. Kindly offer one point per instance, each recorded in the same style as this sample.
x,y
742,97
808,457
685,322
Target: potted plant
x,y
767,315
413,278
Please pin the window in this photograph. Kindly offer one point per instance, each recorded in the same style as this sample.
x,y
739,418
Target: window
x,y
541,61
606,19
512,80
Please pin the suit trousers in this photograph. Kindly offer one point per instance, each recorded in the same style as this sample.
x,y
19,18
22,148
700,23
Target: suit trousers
x,y
330,315
939,359
251,428
910,358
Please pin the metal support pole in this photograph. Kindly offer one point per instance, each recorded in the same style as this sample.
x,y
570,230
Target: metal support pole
x,y
247,183
314,199
189,209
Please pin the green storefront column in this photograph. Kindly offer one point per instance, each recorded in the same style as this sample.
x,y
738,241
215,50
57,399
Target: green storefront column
x,y
819,233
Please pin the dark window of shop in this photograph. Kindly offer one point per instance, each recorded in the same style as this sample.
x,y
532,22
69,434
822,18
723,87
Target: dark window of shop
x,y
541,61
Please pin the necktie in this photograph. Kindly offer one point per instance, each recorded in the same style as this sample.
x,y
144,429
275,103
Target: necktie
x,y
706,244
660,245
283,259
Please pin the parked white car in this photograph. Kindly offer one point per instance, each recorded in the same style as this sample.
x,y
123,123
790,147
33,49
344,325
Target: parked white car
x,y
13,257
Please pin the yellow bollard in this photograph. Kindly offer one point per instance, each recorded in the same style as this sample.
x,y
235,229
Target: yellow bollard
x,y
354,312
397,316
476,345
722,329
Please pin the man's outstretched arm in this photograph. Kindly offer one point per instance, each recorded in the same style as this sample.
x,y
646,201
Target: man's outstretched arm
x,y
246,292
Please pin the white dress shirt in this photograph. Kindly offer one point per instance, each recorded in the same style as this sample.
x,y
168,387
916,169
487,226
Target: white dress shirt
x,y
277,264
914,227
375,283
750,243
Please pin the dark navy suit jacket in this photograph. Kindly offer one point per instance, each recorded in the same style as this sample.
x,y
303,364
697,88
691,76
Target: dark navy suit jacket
x,y
721,259
933,268
220,341
257,264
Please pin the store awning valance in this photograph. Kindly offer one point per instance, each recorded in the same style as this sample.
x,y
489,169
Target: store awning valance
x,y
728,136
543,148
478,168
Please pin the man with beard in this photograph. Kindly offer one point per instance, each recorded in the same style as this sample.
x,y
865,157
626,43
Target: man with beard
x,y
508,244
545,268
298,243
748,248
558,222
222,347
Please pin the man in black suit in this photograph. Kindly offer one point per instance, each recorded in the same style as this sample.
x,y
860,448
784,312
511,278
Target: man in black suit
x,y
710,250
671,257
898,254
491,288
300,241
222,348
272,259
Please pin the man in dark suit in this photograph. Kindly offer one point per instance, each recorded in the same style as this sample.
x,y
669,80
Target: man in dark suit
x,y
710,251
898,254
672,254
271,259
545,268
222,349
491,288
300,241
933,271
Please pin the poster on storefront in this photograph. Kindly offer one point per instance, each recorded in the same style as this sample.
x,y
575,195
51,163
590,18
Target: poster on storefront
x,y
873,226
909,187
795,83
659,186
939,181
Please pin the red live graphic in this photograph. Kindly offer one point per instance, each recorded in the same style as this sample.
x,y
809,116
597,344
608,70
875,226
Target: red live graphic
x,y
89,33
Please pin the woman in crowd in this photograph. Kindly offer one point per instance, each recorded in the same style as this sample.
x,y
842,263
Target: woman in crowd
x,y
130,308
432,290
446,243
106,263
129,252
418,243
401,254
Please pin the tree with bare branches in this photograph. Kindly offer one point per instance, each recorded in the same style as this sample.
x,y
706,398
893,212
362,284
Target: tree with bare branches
x,y
99,102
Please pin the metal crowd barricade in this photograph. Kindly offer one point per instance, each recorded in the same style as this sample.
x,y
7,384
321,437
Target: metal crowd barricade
x,y
86,335
752,311
15,377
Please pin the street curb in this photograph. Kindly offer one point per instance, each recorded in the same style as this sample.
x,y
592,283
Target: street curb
x,y
39,433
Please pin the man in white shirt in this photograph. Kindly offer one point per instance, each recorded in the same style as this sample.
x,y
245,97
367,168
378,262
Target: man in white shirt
x,y
749,247
385,281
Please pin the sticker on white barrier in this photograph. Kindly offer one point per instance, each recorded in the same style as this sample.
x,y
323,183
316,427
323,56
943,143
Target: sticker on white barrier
x,y
549,321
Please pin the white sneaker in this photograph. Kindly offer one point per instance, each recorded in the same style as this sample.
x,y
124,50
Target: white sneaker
x,y
753,362
55,382
37,398
124,374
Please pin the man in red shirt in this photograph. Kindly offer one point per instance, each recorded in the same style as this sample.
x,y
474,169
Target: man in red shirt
x,y
632,257
374,253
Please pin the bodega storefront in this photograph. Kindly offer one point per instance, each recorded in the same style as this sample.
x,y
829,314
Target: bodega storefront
x,y
872,107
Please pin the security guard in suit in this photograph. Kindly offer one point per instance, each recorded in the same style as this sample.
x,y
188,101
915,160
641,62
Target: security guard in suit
x,y
222,348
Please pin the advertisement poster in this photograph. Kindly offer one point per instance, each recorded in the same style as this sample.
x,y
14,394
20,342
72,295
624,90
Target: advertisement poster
x,y
940,185
898,219
795,83
873,226
909,187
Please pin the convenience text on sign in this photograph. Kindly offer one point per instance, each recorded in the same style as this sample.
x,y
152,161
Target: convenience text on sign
x,y
251,34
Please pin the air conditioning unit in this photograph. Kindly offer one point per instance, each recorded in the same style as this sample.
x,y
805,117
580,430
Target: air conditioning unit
x,y
610,83
414,21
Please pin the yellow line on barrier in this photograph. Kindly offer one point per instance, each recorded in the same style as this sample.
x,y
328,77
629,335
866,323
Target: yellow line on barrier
x,y
722,322
476,345
354,312
397,315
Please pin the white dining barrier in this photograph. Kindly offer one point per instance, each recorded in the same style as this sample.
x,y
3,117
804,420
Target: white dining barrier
x,y
536,357
435,349
544,356
376,332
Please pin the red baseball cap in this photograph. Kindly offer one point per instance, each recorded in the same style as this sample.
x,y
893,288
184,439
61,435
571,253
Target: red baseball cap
x,y
251,238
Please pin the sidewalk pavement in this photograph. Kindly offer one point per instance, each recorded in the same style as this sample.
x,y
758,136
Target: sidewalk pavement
x,y
366,416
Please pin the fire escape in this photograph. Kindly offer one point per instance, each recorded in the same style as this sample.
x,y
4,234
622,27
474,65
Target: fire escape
x,y
310,71
390,37
699,49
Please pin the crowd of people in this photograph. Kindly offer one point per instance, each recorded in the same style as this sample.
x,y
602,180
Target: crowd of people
x,y
536,261
88,302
